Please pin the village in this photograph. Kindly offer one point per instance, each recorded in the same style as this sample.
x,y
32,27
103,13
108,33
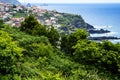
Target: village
x,y
15,14
64,23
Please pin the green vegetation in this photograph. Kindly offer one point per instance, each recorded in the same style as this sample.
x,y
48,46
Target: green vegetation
x,y
70,22
31,53
19,15
33,27
47,15
1,23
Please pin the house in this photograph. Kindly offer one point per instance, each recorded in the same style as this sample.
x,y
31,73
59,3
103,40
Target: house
x,y
57,15
52,18
19,8
48,22
57,26
17,21
1,15
2,7
35,9
7,8
43,11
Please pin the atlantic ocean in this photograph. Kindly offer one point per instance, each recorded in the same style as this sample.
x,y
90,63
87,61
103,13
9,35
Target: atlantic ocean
x,y
105,16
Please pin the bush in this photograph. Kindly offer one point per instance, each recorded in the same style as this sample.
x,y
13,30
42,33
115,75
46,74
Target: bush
x,y
10,54
68,41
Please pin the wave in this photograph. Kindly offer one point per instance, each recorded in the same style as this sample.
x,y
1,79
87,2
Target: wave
x,y
102,27
105,34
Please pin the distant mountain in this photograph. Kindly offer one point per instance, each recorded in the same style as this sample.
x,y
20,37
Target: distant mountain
x,y
10,1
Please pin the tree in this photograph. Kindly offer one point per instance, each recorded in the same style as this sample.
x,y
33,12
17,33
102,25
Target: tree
x,y
86,51
110,60
14,6
10,54
40,30
67,42
64,43
29,24
53,36
1,23
33,27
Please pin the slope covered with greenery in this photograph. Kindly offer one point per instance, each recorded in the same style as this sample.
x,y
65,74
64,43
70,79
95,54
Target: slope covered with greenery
x,y
33,52
68,22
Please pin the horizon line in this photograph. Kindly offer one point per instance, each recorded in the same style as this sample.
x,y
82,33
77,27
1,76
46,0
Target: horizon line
x,y
75,3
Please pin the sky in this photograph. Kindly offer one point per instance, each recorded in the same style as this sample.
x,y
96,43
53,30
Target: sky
x,y
69,1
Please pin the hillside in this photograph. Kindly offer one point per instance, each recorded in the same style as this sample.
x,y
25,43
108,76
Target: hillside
x,y
68,22
10,1
33,52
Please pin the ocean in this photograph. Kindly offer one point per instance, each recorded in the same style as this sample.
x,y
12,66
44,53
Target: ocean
x,y
105,16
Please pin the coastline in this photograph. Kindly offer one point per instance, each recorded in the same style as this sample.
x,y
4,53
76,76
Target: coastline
x,y
95,14
89,28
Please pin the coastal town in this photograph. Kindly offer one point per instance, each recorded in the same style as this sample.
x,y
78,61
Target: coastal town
x,y
64,23
15,14
38,42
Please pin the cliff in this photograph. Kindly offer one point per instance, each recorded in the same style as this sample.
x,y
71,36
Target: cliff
x,y
71,21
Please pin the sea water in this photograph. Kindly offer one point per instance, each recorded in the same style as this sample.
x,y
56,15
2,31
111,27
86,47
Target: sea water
x,y
105,16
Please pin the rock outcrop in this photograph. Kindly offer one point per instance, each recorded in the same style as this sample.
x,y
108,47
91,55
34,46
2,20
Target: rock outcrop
x,y
97,31
103,38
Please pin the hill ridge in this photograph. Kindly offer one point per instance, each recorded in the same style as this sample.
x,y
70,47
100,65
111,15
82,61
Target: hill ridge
x,y
10,1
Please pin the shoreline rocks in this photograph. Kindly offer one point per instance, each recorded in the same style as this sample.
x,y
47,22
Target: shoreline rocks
x,y
103,38
97,31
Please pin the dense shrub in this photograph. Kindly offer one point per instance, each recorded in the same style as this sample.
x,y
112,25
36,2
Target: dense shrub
x,y
68,41
28,54
10,54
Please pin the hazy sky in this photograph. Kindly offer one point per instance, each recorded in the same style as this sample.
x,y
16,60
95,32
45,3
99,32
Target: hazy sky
x,y
70,1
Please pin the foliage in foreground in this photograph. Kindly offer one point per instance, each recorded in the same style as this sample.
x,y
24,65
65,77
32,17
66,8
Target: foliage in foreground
x,y
10,54
24,56
33,27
